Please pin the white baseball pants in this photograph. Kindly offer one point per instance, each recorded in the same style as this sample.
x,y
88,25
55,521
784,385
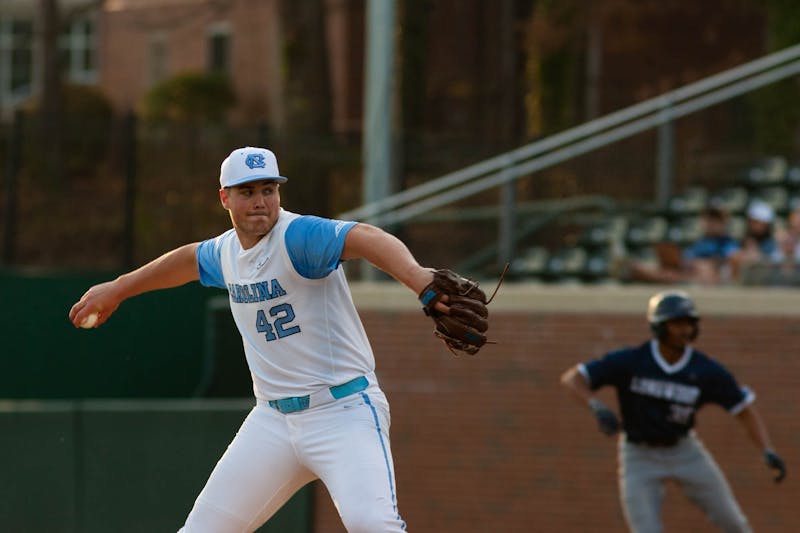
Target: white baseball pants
x,y
344,443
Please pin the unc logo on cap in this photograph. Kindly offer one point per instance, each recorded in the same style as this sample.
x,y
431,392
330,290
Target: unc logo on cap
x,y
255,161
249,164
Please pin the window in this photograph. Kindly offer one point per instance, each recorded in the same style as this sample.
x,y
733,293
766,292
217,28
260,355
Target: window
x,y
77,47
219,45
157,58
16,59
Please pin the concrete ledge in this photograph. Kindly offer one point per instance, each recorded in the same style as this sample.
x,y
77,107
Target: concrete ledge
x,y
172,405
535,297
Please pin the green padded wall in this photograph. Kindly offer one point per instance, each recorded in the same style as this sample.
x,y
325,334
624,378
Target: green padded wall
x,y
122,466
153,346
93,435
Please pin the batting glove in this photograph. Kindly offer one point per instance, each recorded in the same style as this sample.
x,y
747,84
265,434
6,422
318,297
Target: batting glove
x,y
606,419
773,461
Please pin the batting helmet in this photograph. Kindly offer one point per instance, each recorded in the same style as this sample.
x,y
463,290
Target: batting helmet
x,y
669,305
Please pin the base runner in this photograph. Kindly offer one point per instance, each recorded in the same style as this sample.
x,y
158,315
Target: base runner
x,y
660,386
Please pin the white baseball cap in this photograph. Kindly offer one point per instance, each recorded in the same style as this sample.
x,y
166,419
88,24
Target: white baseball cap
x,y
249,164
760,211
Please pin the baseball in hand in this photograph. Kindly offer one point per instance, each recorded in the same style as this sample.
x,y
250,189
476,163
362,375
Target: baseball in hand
x,y
89,321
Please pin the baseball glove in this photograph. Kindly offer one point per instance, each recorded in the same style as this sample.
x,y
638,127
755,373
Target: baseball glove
x,y
463,329
774,461
607,421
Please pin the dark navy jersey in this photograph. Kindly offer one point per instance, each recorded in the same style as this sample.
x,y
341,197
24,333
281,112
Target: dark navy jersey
x,y
658,400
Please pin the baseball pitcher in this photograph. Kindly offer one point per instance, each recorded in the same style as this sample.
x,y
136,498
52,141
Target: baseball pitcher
x,y
320,412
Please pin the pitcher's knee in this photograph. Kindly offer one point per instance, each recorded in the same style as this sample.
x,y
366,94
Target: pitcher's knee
x,y
206,518
373,521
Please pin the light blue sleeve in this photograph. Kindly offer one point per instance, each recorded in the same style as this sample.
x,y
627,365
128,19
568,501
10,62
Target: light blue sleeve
x,y
209,262
315,245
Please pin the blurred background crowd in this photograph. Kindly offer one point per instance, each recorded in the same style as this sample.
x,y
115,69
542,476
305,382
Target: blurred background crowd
x,y
116,113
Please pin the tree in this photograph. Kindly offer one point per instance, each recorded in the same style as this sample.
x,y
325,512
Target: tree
x,y
775,106
190,98
51,99
50,119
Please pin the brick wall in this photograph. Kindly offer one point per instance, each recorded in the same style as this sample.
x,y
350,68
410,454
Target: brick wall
x,y
494,444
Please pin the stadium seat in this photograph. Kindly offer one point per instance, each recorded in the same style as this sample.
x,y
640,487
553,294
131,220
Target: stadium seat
x,y
595,236
566,263
737,226
531,263
645,255
776,196
685,230
605,233
731,199
646,231
690,201
767,171
794,202
597,266
793,177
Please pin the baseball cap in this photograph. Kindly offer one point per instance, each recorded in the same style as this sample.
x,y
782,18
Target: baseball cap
x,y
249,164
760,211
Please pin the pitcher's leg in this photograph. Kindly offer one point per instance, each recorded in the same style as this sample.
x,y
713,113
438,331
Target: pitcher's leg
x,y
256,475
352,456
704,484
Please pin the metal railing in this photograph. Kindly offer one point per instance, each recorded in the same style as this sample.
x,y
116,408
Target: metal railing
x,y
506,168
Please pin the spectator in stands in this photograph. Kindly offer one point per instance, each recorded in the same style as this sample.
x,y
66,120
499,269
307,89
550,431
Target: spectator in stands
x,y
788,271
759,246
789,238
702,262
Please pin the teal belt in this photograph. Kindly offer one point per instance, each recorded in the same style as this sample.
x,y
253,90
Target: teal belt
x,y
301,403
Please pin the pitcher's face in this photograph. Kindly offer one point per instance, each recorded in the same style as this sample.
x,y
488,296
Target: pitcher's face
x,y
254,209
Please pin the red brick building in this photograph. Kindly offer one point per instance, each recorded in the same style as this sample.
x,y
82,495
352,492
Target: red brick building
x,y
126,46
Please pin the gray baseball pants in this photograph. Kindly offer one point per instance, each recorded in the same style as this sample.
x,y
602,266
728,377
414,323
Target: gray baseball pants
x,y
644,469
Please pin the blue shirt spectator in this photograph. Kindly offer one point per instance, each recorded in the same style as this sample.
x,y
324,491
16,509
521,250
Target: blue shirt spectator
x,y
705,261
710,247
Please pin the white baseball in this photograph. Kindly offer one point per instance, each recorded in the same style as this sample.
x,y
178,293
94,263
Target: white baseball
x,y
89,321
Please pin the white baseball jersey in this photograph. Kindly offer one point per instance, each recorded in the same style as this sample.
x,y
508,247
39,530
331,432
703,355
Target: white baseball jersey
x,y
292,305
